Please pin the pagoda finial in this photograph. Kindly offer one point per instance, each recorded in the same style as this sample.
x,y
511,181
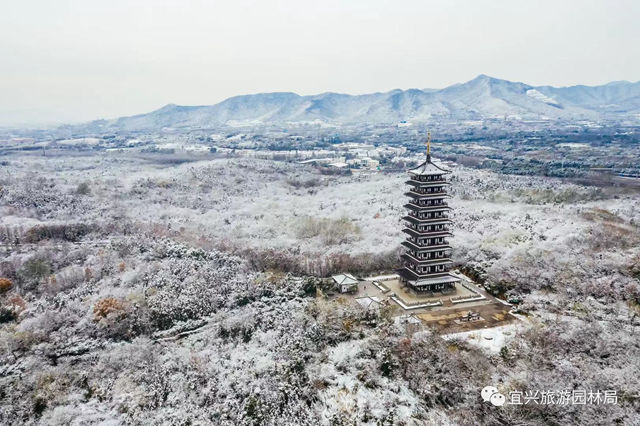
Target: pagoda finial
x,y
429,145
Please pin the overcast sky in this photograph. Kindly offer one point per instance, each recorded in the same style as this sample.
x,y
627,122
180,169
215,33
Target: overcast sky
x,y
68,61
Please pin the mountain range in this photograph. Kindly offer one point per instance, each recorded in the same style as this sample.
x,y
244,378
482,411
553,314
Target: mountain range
x,y
483,97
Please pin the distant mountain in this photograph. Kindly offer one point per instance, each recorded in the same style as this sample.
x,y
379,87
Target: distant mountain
x,y
482,97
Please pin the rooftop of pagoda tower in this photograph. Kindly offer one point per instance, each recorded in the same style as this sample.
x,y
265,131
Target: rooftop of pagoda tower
x,y
428,168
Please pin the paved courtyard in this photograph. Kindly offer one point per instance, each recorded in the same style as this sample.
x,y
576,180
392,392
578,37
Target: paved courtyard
x,y
438,310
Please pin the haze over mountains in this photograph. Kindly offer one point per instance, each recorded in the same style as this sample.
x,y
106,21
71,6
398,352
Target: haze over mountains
x,y
482,97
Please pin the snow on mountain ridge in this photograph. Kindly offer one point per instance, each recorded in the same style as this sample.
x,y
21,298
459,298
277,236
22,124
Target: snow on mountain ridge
x,y
482,97
541,97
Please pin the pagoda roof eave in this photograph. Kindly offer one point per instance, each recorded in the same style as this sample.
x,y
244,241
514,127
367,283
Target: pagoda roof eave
x,y
432,195
408,274
416,220
413,246
428,169
446,279
427,183
413,207
427,234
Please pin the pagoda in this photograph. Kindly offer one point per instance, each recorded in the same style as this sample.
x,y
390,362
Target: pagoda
x,y
427,260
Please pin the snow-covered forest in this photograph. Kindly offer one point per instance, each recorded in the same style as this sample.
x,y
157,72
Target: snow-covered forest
x,y
137,290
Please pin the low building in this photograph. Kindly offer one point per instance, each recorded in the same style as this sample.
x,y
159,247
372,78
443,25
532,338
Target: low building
x,y
370,303
346,283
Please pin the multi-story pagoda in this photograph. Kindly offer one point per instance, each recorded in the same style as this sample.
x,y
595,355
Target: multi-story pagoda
x,y
427,261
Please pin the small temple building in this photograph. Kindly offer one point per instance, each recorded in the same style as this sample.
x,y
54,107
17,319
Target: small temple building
x,y
427,260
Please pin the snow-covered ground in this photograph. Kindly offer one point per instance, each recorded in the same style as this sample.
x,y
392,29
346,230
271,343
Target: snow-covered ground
x,y
150,291
490,339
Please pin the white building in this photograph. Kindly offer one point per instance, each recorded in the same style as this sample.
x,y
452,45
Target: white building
x,y
346,283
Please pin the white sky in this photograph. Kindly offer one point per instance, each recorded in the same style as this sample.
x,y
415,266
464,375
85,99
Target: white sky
x,y
63,60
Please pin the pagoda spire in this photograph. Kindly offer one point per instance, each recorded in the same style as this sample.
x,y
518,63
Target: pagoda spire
x,y
429,146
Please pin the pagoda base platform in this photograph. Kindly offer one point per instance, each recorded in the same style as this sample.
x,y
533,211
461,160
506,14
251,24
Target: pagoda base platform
x,y
443,283
411,297
446,313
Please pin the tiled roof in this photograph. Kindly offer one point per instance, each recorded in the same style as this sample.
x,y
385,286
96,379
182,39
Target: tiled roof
x,y
428,168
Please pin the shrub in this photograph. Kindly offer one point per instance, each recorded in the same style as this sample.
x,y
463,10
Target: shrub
x,y
5,284
299,183
609,235
8,270
67,232
634,267
317,264
108,307
119,319
12,309
83,189
66,279
34,270
331,231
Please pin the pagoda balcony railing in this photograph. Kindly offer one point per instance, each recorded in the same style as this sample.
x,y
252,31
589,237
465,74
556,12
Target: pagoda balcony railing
x,y
427,241
436,261
413,206
427,254
413,222
426,192
426,220
441,225
439,269
427,179
442,208
417,212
